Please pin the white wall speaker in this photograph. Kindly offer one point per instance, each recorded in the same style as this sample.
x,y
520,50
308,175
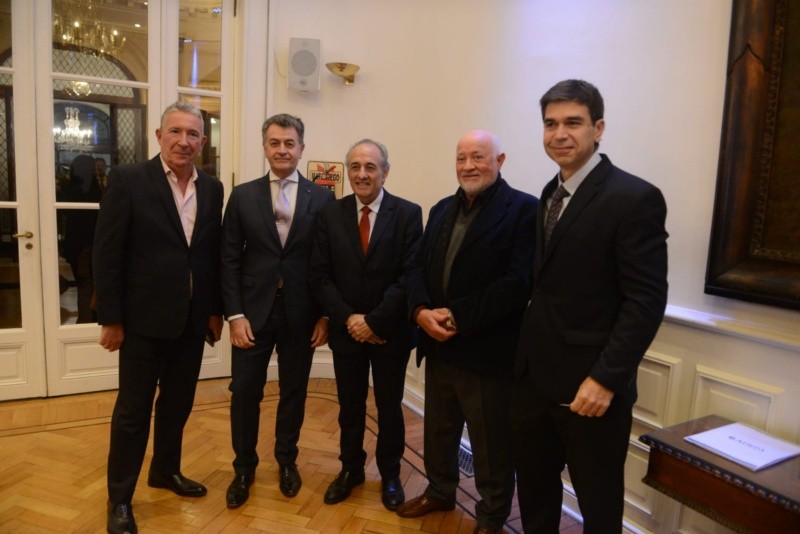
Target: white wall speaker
x,y
304,64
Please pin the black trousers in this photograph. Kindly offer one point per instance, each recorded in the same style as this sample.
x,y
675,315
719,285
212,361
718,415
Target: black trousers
x,y
144,364
352,385
453,396
547,437
248,377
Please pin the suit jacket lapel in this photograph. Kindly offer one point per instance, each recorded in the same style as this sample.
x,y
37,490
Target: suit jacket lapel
x,y
491,214
587,191
202,194
300,208
384,215
267,213
540,219
159,179
347,211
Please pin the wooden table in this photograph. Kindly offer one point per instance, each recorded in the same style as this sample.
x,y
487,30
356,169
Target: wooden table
x,y
741,499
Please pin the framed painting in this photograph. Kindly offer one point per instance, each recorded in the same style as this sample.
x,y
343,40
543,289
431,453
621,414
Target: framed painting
x,y
754,252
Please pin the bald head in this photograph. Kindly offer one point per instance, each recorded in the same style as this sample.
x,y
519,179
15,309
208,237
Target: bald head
x,y
478,161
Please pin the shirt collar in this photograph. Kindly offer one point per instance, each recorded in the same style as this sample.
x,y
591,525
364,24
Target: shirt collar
x,y
171,174
375,205
574,181
294,177
482,197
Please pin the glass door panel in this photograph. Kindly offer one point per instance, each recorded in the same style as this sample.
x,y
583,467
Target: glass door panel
x,y
10,301
92,132
109,37
97,113
208,159
199,45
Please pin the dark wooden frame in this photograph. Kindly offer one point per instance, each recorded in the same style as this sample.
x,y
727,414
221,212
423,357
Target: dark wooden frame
x,y
740,264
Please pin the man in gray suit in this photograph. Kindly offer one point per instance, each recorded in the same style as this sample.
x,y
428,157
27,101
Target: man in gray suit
x,y
266,242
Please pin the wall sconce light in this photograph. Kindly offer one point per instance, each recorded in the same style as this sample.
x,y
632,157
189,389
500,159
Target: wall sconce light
x,y
347,71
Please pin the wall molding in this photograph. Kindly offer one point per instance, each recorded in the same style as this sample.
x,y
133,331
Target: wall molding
x,y
738,328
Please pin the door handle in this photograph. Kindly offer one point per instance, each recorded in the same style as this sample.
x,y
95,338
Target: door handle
x,y
26,235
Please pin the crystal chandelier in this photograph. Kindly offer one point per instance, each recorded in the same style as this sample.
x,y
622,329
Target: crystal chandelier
x,y
71,137
77,23
78,89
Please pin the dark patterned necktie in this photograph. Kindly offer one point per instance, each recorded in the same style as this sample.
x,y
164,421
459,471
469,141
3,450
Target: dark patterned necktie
x,y
552,214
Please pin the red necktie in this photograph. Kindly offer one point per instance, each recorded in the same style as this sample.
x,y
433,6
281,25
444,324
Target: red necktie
x,y
363,228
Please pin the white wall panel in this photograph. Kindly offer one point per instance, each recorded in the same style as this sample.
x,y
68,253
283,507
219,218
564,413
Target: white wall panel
x,y
658,382
732,396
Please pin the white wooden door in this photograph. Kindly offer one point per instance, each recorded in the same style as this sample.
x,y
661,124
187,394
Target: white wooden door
x,y
73,110
22,369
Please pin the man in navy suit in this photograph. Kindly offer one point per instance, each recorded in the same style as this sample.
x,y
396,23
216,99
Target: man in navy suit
x,y
363,245
266,243
600,289
156,259
467,288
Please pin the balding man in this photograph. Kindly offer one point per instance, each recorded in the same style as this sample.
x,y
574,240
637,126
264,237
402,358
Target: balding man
x,y
468,287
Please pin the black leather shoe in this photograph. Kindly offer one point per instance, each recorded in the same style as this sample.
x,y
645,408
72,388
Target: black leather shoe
x,y
290,480
392,493
342,485
120,519
177,483
239,490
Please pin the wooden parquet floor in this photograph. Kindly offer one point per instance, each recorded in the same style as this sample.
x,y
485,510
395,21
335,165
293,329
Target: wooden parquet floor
x,y
53,465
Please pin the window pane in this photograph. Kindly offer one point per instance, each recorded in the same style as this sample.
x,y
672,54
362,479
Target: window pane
x,y
5,33
75,240
200,32
96,127
103,39
8,182
208,160
102,120
10,302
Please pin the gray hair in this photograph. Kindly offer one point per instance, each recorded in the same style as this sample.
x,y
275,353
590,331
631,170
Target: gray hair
x,y
185,107
284,120
381,148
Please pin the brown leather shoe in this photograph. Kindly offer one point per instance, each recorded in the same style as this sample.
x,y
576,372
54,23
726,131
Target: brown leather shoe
x,y
423,505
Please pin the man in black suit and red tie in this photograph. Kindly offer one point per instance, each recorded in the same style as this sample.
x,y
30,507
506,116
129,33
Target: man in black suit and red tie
x,y
266,243
363,245
600,289
156,271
